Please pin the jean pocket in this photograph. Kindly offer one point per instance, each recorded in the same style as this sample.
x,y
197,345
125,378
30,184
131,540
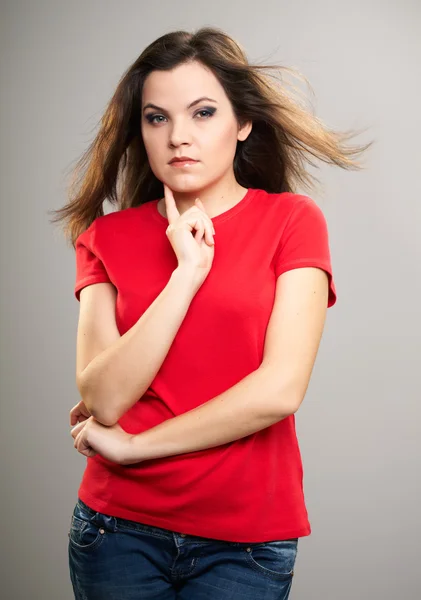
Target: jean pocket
x,y
274,559
85,532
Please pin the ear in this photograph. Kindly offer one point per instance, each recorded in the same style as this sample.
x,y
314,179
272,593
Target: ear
x,y
244,131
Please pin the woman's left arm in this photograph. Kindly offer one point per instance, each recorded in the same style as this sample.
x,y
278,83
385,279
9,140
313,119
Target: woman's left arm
x,y
269,394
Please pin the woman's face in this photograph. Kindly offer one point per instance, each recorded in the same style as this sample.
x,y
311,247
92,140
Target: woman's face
x,y
185,112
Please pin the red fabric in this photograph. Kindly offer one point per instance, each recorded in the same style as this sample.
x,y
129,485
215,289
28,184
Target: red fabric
x,y
249,490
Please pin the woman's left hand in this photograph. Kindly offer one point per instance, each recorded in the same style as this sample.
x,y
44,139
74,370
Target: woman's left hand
x,y
92,437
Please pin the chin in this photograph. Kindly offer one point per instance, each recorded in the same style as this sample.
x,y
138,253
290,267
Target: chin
x,y
188,185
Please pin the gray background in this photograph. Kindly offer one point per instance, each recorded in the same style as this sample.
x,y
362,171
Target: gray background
x,y
359,425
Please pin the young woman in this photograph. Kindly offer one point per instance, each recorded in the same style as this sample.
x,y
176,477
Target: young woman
x,y
202,304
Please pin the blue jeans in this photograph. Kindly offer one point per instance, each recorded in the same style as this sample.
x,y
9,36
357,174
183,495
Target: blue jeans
x,y
115,559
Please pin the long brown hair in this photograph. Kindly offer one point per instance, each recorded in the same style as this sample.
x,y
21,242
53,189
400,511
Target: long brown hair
x,y
284,137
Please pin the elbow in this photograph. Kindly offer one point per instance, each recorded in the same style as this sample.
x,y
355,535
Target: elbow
x,y
285,392
292,409
96,406
103,417
288,402
293,401
287,410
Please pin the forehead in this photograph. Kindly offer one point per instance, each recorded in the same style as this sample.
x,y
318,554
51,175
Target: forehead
x,y
181,85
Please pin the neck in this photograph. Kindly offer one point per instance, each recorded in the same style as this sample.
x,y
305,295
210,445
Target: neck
x,y
217,198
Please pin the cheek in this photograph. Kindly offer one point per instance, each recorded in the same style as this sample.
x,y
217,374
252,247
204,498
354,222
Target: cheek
x,y
223,144
152,147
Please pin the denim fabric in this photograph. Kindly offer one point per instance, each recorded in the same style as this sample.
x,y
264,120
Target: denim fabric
x,y
116,559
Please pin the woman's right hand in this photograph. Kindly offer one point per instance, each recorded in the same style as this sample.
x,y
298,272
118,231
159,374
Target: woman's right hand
x,y
194,251
79,413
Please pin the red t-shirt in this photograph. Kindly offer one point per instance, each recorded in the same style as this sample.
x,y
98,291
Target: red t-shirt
x,y
249,490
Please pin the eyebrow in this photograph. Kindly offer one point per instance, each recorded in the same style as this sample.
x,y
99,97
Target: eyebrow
x,y
150,105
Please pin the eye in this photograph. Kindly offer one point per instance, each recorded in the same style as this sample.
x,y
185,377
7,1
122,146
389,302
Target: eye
x,y
151,118
206,112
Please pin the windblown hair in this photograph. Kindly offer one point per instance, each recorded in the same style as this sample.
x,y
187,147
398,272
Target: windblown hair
x,y
285,134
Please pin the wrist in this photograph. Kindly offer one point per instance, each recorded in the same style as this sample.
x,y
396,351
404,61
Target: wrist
x,y
186,277
132,451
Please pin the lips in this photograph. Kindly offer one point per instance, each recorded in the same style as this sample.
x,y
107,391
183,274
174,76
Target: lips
x,y
182,159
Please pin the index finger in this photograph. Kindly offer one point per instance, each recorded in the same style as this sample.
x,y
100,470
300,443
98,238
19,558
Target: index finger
x,y
170,205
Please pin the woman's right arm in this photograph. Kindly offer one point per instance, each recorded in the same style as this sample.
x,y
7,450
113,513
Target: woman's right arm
x,y
113,371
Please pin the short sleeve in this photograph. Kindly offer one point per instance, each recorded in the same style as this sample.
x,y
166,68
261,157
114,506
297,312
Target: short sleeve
x,y
89,267
305,243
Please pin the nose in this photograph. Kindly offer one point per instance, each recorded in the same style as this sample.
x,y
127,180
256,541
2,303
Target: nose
x,y
179,134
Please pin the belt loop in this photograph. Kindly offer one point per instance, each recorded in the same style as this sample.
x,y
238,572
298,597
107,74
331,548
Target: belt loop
x,y
110,523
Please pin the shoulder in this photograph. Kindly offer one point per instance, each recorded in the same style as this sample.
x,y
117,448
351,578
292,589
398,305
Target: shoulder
x,y
120,218
281,208
285,202
111,226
